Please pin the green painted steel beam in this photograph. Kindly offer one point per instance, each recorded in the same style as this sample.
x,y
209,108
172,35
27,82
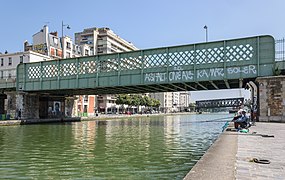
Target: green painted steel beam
x,y
161,69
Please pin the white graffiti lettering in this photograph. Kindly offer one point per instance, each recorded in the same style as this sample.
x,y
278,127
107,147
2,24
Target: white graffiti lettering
x,y
202,73
187,75
174,76
155,77
217,72
245,70
178,68
179,75
251,68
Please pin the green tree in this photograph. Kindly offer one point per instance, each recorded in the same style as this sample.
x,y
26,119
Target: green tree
x,y
137,100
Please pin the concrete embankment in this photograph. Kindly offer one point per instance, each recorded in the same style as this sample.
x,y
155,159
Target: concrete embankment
x,y
76,119
219,161
258,154
36,121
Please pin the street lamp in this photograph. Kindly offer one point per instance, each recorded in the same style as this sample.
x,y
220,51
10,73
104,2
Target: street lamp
x,y
68,27
206,28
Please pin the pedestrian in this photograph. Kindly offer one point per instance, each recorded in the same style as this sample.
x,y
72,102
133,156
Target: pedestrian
x,y
19,114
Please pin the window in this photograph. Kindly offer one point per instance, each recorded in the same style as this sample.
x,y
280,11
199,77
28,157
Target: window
x,y
2,75
21,59
85,99
9,74
10,61
85,109
2,61
86,52
68,46
55,41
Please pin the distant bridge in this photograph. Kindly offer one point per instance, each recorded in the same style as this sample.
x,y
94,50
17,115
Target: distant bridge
x,y
230,102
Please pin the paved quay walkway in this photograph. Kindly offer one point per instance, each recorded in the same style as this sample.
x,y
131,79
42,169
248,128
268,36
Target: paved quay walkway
x,y
232,155
262,147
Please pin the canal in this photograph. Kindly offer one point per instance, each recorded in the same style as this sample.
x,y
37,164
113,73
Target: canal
x,y
155,147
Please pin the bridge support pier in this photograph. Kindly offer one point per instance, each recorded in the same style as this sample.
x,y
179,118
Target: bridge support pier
x,y
27,105
2,103
271,98
69,105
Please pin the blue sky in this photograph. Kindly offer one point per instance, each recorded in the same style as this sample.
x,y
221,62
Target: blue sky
x,y
145,23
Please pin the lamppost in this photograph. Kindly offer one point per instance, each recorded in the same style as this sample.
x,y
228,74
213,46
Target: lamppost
x,y
62,44
206,28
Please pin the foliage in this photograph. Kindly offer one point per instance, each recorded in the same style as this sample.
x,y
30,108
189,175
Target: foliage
x,y
137,100
192,104
277,71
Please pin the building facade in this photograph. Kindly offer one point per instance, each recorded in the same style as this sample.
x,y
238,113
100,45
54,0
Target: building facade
x,y
8,70
101,41
166,101
50,44
172,101
9,62
184,100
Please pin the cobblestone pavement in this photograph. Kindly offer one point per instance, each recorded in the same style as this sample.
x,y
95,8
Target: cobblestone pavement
x,y
253,145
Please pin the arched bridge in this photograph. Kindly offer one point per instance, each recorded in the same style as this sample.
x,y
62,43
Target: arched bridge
x,y
204,66
230,102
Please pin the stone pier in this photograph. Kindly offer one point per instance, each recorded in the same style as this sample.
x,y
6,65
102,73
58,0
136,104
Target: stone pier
x,y
271,98
2,103
27,105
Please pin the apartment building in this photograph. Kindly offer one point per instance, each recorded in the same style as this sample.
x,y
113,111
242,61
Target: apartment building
x,y
50,44
166,100
184,99
172,101
102,41
8,70
9,62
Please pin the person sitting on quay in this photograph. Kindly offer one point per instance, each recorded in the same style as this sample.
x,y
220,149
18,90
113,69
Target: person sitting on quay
x,y
241,120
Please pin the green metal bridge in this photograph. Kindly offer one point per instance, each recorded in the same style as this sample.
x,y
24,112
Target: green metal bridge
x,y
205,66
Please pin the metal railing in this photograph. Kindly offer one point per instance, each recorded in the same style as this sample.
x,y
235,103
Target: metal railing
x,y
280,56
280,49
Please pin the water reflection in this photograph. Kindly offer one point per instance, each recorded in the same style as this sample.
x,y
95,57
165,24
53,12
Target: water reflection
x,y
157,147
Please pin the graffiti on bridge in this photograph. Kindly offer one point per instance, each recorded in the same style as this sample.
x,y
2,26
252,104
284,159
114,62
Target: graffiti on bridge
x,y
187,75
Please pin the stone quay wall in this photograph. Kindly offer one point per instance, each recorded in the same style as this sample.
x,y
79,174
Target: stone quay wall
x,y
271,99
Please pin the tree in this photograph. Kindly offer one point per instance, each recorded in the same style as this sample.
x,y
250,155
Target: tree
x,y
123,99
136,100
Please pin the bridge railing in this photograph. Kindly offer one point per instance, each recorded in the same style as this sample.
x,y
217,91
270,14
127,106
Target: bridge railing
x,y
8,82
280,53
229,59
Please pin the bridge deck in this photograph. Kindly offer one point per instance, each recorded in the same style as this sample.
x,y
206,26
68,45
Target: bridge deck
x,y
213,65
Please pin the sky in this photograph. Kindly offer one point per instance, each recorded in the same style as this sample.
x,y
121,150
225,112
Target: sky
x,y
145,23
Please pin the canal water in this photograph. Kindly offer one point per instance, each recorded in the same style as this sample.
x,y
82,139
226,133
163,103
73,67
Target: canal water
x,y
155,147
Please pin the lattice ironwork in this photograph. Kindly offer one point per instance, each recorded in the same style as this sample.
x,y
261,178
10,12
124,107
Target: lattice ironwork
x,y
131,63
155,58
86,67
34,72
232,102
68,69
108,65
200,54
181,58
